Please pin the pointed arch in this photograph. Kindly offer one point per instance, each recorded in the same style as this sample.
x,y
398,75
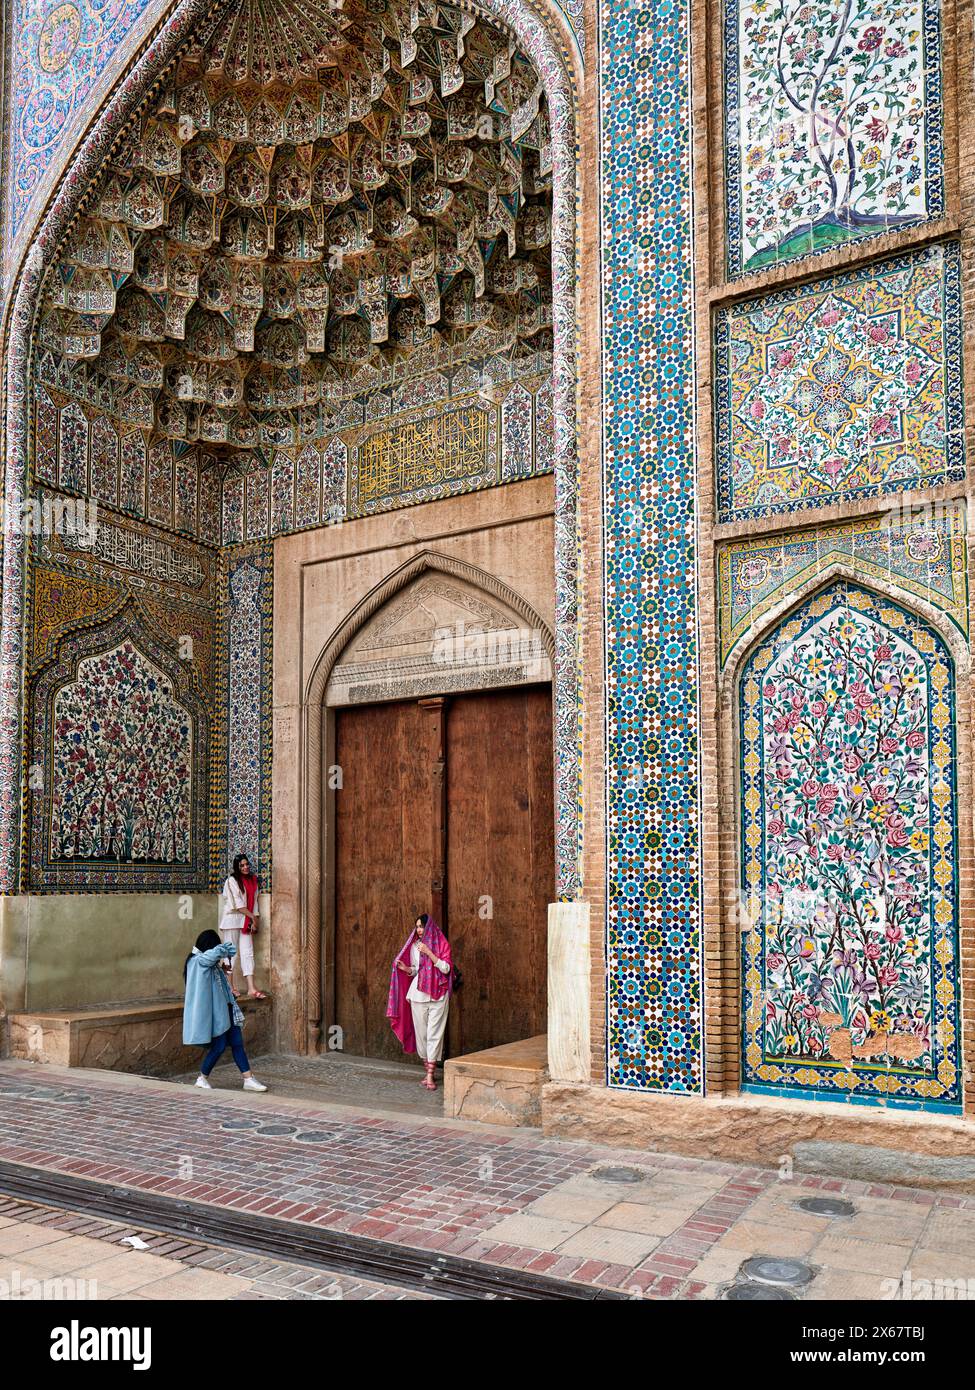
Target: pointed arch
x,y
836,572
847,853
390,586
139,809
317,739
541,30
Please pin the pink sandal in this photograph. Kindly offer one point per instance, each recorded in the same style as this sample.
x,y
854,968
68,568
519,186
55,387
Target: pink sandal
x,y
428,1080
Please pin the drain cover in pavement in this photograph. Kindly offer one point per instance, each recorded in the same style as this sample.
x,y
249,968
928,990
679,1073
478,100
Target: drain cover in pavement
x,y
240,1124
276,1129
313,1136
827,1206
49,1093
618,1174
748,1293
769,1269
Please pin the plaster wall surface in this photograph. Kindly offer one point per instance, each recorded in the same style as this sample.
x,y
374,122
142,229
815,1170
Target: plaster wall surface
x,y
79,951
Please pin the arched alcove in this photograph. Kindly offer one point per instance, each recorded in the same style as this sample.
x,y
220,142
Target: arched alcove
x,y
847,853
503,643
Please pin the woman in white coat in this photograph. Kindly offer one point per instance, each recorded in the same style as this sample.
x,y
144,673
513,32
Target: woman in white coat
x,y
238,922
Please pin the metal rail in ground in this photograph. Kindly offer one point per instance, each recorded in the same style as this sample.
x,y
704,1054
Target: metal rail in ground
x,y
334,1252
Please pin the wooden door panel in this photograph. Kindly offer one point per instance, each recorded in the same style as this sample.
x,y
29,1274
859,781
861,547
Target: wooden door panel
x,y
383,860
500,841
500,846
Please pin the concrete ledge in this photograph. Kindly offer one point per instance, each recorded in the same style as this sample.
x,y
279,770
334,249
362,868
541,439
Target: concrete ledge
x,y
854,1141
500,1086
145,1038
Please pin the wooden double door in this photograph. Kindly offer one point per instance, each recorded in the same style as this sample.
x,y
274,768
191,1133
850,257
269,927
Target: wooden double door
x,y
446,807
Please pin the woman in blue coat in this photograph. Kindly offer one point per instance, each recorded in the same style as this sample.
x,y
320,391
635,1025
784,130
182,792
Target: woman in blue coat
x,y
211,1015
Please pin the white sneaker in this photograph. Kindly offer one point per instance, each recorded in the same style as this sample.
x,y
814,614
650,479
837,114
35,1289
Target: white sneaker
x,y
252,1084
203,1083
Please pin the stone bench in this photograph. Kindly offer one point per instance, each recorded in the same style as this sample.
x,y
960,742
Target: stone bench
x,y
500,1086
145,1038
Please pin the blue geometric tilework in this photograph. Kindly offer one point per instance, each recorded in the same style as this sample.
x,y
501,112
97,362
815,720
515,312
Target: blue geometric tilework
x,y
654,945
59,52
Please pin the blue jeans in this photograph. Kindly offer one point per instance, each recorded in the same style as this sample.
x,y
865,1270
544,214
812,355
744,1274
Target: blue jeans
x,y
234,1037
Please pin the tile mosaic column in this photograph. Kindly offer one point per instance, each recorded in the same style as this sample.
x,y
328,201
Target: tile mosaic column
x,y
654,938
248,614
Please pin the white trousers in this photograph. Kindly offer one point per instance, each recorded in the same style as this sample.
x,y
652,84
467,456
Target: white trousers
x,y
244,959
429,1025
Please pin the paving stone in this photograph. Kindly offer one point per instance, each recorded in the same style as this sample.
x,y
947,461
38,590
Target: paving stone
x,y
942,1264
718,1266
74,1253
864,1256
194,1286
612,1246
570,1206
952,1231
645,1219
848,1285
761,1238
22,1238
541,1232
868,1226
131,1270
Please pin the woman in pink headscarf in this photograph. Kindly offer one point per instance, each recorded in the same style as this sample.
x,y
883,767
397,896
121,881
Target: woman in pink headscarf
x,y
418,1015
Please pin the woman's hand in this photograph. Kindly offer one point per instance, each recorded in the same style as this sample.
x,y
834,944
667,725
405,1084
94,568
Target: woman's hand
x,y
405,968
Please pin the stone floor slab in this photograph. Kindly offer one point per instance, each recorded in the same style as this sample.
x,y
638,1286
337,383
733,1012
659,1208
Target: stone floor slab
x,y
540,1232
570,1206
859,1256
642,1218
763,1238
613,1246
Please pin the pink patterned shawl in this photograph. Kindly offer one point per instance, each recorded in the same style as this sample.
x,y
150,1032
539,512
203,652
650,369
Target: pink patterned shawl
x,y
431,981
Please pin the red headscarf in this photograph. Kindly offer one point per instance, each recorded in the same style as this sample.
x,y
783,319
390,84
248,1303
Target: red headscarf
x,y
431,981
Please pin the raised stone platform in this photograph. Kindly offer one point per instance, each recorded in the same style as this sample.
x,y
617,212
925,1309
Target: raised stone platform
x,y
866,1143
500,1086
144,1038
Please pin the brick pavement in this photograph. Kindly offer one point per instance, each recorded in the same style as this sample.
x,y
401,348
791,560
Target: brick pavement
x,y
509,1197
45,1251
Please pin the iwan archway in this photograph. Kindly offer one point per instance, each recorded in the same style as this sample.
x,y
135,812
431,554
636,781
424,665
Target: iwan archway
x,y
310,267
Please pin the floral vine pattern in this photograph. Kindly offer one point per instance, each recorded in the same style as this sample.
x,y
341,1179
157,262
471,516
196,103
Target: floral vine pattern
x,y
110,806
834,124
117,795
847,387
850,955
